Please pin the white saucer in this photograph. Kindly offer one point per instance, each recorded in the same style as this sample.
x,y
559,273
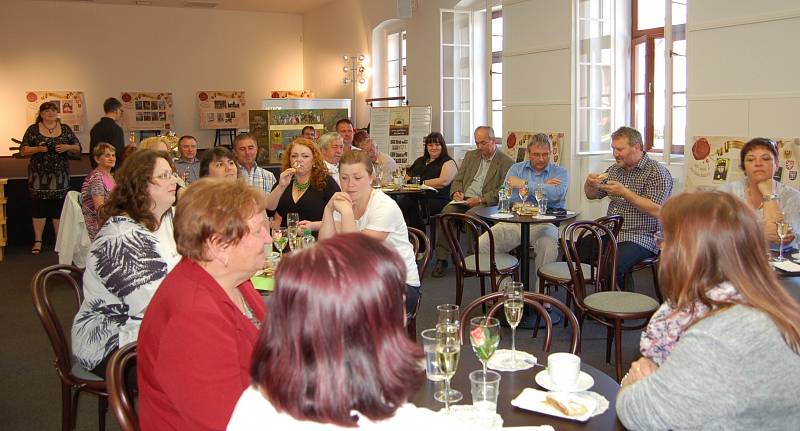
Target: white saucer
x,y
501,215
584,382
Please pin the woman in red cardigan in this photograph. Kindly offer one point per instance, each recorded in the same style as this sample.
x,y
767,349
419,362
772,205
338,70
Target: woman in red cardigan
x,y
198,332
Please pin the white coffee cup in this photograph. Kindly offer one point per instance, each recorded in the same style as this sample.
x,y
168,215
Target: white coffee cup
x,y
563,369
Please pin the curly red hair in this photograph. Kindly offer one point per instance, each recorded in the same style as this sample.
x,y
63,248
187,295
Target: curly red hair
x,y
319,172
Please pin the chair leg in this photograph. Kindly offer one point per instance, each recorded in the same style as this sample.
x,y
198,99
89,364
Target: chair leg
x,y
609,339
459,288
66,407
618,347
483,285
102,408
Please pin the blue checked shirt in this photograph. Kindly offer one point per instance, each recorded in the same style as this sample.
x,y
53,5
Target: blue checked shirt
x,y
648,179
258,177
556,195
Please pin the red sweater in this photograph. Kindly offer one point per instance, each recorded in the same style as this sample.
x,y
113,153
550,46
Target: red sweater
x,y
193,352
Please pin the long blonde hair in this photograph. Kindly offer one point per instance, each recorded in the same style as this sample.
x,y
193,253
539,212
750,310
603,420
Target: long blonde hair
x,y
713,237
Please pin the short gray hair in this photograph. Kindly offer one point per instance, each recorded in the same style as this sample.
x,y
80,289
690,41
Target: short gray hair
x,y
541,140
633,135
326,139
489,130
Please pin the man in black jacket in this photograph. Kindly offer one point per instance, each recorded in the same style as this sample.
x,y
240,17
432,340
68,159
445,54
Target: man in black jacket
x,y
107,130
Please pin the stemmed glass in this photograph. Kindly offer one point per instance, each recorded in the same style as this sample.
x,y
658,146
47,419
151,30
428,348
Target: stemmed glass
x,y
447,327
484,334
279,238
513,306
538,193
448,350
523,192
509,190
783,230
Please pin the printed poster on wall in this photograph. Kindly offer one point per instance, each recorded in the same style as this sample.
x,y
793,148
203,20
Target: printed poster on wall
x,y
222,109
714,160
147,111
516,145
275,129
71,106
400,131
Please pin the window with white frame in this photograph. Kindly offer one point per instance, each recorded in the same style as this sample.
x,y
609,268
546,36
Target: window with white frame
x,y
396,68
497,71
456,75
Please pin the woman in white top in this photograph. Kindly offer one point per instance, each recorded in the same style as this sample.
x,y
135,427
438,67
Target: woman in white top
x,y
132,253
360,208
333,352
771,200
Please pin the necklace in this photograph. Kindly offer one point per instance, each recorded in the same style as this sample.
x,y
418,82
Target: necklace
x,y
301,187
248,312
51,131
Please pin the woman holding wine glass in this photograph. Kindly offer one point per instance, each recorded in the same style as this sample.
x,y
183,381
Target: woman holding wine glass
x,y
348,362
776,205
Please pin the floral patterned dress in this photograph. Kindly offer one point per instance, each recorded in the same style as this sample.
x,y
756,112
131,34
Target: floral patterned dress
x,y
48,173
97,183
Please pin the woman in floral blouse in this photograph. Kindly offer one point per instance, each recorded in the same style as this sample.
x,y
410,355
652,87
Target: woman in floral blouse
x,y
47,142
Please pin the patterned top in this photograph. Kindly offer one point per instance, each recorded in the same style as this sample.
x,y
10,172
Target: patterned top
x,y
190,171
647,179
97,183
788,202
258,177
48,173
125,266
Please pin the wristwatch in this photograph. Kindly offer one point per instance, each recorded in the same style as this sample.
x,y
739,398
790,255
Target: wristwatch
x,y
772,197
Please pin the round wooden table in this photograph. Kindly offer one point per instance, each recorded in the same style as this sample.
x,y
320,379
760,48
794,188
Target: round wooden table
x,y
490,214
511,384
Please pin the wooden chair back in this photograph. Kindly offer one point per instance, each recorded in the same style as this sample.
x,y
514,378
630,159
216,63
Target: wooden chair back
x,y
120,397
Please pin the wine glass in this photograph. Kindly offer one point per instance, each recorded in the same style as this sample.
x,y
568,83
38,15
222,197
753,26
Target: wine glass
x,y
448,350
295,242
783,230
513,306
484,334
538,192
523,192
280,238
447,326
509,190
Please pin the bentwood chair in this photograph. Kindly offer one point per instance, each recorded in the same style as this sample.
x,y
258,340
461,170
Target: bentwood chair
x,y
121,398
422,252
496,266
536,301
74,379
650,262
607,305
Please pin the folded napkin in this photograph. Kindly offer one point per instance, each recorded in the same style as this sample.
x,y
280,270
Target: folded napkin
x,y
537,401
501,359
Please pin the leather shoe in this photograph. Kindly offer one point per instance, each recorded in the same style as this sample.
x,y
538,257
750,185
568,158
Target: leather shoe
x,y
438,270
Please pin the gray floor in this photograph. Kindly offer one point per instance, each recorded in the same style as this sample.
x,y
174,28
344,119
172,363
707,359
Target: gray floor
x,y
31,393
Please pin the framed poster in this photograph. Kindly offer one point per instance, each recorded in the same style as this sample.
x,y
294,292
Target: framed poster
x,y
712,161
222,109
71,106
400,131
275,129
516,145
147,111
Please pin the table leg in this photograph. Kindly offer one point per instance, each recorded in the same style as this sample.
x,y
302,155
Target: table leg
x,y
524,255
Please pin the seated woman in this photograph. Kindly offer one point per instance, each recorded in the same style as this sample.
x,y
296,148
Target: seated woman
x,y
311,186
130,256
97,186
317,364
771,200
197,337
436,169
736,366
360,208
218,162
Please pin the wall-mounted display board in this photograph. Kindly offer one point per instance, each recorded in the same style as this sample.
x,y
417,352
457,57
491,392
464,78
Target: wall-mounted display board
x,y
147,110
400,131
516,145
222,109
274,129
712,161
71,106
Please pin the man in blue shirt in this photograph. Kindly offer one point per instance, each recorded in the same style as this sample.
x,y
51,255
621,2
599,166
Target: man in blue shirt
x,y
555,179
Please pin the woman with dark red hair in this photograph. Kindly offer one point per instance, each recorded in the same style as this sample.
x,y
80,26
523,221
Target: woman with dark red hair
x,y
333,351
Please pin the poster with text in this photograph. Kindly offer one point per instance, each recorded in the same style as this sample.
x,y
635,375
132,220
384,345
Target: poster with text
x,y
400,131
712,161
284,125
71,107
516,145
222,109
147,111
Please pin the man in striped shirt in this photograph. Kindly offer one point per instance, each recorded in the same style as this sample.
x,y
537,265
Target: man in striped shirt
x,y
246,150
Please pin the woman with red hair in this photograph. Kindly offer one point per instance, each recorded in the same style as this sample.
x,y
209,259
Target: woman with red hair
x,y
333,351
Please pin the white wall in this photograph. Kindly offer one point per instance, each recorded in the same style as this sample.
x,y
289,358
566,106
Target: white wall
x,y
105,49
743,68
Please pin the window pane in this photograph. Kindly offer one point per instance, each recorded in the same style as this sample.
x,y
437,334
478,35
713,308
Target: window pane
x,y
659,94
678,126
678,12
497,43
464,128
403,44
461,29
497,105
447,27
463,96
393,92
497,86
392,74
639,58
599,137
497,26
639,113
679,66
678,99
447,95
497,122
650,14
392,46
448,126
594,9
447,61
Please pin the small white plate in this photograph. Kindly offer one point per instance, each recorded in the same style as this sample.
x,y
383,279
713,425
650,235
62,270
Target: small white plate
x,y
533,400
584,382
571,213
502,215
544,217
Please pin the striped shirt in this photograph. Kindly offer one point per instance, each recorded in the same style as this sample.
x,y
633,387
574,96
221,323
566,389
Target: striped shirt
x,y
258,177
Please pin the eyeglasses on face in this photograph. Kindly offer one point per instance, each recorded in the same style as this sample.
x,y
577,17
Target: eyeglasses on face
x,y
166,175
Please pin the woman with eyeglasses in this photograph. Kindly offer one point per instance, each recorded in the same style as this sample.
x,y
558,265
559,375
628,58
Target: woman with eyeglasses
x,y
130,256
48,143
435,169
771,200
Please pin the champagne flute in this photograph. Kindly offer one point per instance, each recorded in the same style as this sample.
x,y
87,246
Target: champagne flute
x,y
279,238
523,192
513,306
484,334
447,326
448,350
509,190
538,192
783,230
